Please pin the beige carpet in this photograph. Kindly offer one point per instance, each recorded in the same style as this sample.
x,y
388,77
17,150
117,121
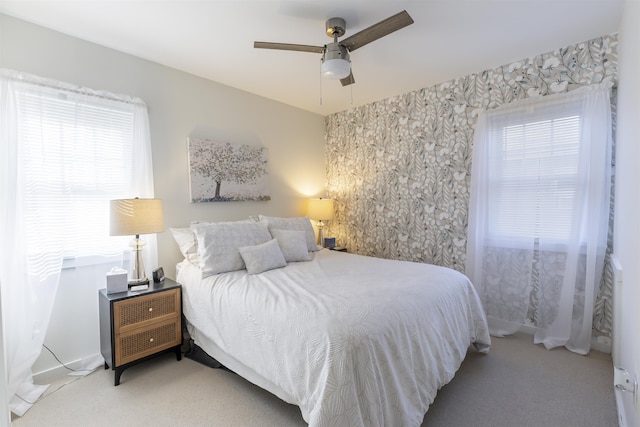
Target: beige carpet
x,y
517,384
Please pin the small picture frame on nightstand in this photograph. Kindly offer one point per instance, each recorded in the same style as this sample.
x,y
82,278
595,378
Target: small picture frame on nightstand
x,y
330,242
158,275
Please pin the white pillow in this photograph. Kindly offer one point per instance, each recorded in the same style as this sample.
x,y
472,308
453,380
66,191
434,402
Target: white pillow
x,y
293,244
296,224
187,243
218,244
263,257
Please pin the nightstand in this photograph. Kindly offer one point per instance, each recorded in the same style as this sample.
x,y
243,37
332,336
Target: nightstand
x,y
135,326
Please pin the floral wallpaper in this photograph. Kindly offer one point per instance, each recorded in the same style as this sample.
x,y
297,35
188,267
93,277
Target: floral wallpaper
x,y
399,169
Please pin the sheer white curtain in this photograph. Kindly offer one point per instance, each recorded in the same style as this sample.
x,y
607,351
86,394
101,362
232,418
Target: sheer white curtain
x,y
539,213
55,184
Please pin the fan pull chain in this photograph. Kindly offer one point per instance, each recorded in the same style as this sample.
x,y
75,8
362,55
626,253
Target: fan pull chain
x,y
351,87
320,75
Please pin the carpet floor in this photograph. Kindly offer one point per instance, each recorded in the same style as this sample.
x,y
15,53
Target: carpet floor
x,y
517,384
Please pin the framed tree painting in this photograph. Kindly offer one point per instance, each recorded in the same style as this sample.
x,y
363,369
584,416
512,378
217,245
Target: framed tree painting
x,y
224,172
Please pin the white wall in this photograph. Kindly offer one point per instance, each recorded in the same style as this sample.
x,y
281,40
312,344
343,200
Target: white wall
x,y
180,105
627,224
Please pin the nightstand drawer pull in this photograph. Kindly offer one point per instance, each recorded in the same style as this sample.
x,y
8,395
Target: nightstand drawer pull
x,y
150,309
151,339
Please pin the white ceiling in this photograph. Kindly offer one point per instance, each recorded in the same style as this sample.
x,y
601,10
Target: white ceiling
x,y
214,39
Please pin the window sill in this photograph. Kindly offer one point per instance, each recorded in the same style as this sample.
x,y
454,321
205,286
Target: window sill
x,y
83,261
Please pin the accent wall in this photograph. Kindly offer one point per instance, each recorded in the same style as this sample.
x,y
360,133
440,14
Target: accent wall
x,y
399,169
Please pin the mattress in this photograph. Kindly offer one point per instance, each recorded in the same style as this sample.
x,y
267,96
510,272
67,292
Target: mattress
x,y
351,340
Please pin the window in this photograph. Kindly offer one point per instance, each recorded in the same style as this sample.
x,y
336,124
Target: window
x,y
65,152
539,211
77,153
533,170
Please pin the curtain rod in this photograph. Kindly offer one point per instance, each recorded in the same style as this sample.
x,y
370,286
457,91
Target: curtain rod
x,y
35,80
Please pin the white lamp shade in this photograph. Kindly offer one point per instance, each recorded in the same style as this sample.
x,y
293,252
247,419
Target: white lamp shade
x,y
336,68
136,216
320,209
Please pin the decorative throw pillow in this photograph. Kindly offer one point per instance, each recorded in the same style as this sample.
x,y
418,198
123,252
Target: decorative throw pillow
x,y
293,244
187,243
296,224
218,244
263,257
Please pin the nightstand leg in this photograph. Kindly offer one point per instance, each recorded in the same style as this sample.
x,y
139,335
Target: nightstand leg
x,y
178,351
118,373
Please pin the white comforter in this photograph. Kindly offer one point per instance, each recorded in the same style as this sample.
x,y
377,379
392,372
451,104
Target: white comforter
x,y
351,340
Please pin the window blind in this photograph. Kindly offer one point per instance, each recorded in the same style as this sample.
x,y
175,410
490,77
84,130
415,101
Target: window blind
x,y
77,151
533,169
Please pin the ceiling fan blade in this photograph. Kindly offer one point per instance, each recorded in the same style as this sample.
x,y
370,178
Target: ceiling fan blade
x,y
376,31
348,80
288,46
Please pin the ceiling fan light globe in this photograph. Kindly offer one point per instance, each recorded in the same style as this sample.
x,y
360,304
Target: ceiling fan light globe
x,y
336,69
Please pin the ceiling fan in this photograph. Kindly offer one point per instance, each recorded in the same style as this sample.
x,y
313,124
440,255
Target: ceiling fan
x,y
335,56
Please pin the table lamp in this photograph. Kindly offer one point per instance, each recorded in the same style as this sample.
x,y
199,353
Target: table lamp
x,y
320,210
136,217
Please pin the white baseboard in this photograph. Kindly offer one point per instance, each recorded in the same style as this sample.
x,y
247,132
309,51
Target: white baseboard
x,y
49,375
626,411
601,344
622,419
531,330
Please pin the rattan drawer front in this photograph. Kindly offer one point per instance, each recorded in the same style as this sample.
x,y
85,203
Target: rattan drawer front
x,y
135,311
145,341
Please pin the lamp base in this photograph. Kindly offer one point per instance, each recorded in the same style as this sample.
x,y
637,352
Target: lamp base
x,y
320,236
138,276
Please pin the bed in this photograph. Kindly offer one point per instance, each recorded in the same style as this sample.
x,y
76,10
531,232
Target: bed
x,y
352,340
